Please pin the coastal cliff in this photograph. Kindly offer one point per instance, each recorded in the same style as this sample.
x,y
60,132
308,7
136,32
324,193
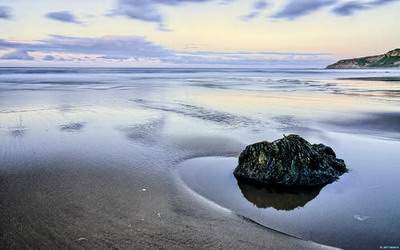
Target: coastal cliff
x,y
389,59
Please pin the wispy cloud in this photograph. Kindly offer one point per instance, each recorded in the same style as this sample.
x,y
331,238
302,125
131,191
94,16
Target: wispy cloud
x,y
244,58
139,49
63,16
17,55
257,7
5,12
49,58
297,8
148,10
110,46
349,8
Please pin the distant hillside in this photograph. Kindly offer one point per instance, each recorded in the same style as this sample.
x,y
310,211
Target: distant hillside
x,y
390,59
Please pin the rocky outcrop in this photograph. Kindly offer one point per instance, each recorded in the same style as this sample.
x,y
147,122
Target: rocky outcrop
x,y
290,161
390,59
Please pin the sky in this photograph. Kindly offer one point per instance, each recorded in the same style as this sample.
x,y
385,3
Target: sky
x,y
195,33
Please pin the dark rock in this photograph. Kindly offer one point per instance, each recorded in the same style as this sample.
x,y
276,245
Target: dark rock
x,y
290,161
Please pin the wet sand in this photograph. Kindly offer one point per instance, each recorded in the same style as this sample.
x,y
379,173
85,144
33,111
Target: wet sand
x,y
376,78
88,158
64,203
381,124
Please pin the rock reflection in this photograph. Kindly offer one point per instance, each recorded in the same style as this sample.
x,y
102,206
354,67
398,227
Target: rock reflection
x,y
277,197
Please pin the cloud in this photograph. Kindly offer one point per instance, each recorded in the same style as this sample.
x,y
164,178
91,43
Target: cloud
x,y
111,46
108,46
257,7
63,16
349,8
120,58
297,8
49,58
379,2
17,55
138,49
241,58
5,12
148,10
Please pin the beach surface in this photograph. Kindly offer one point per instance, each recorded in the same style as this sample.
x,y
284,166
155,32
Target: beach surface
x,y
94,158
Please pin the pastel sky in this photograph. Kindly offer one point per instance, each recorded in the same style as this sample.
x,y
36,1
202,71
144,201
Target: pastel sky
x,y
206,33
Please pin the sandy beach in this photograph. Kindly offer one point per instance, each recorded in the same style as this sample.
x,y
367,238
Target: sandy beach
x,y
92,158
68,203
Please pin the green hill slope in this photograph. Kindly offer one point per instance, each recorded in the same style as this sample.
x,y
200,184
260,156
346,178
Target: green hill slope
x,y
390,59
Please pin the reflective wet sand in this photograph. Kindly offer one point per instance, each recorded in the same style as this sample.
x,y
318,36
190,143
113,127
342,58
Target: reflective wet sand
x,y
88,158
